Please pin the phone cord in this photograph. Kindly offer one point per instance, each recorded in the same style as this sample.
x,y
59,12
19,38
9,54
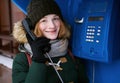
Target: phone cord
x,y
55,68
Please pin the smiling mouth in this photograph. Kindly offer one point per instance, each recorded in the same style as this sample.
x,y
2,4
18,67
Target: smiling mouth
x,y
51,31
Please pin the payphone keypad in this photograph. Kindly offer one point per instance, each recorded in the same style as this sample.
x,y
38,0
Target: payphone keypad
x,y
93,33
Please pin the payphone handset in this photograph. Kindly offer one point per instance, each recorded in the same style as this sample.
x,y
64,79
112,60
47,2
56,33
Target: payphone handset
x,y
27,24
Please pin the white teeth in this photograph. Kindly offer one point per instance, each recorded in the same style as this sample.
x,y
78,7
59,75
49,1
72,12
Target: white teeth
x,y
50,31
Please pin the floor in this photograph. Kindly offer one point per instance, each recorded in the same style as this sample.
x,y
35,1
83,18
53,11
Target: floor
x,y
5,69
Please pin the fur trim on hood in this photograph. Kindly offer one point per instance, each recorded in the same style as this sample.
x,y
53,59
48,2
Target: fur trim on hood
x,y
19,32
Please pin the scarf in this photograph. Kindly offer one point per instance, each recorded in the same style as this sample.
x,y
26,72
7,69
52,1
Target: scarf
x,y
58,48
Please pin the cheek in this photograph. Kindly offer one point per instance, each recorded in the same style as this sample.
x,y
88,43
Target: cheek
x,y
58,25
58,29
41,27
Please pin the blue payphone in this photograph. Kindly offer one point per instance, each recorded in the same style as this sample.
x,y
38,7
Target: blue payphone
x,y
96,30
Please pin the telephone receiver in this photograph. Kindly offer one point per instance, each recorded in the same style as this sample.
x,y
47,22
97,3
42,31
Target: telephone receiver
x,y
26,24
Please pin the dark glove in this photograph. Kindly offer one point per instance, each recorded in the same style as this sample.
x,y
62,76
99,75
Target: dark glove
x,y
39,47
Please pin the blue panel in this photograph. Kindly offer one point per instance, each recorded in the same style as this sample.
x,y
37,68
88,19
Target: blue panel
x,y
103,73
95,31
22,4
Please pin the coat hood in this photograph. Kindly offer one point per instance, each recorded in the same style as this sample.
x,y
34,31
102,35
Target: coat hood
x,y
19,33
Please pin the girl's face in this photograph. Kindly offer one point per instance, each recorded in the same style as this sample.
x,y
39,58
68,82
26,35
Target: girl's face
x,y
50,26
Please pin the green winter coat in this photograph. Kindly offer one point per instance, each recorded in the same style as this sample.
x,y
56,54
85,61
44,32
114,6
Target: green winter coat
x,y
41,73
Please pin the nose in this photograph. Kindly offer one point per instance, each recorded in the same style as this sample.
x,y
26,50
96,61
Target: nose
x,y
51,24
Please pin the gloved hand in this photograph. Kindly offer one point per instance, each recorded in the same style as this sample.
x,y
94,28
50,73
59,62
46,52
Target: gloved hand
x,y
39,47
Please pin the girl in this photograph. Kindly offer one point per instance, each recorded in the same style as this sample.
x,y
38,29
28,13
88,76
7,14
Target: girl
x,y
51,32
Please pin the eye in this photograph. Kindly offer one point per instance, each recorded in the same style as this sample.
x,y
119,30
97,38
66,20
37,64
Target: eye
x,y
56,18
43,20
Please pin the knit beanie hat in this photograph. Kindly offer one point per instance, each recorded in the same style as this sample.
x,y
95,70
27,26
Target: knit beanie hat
x,y
37,9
